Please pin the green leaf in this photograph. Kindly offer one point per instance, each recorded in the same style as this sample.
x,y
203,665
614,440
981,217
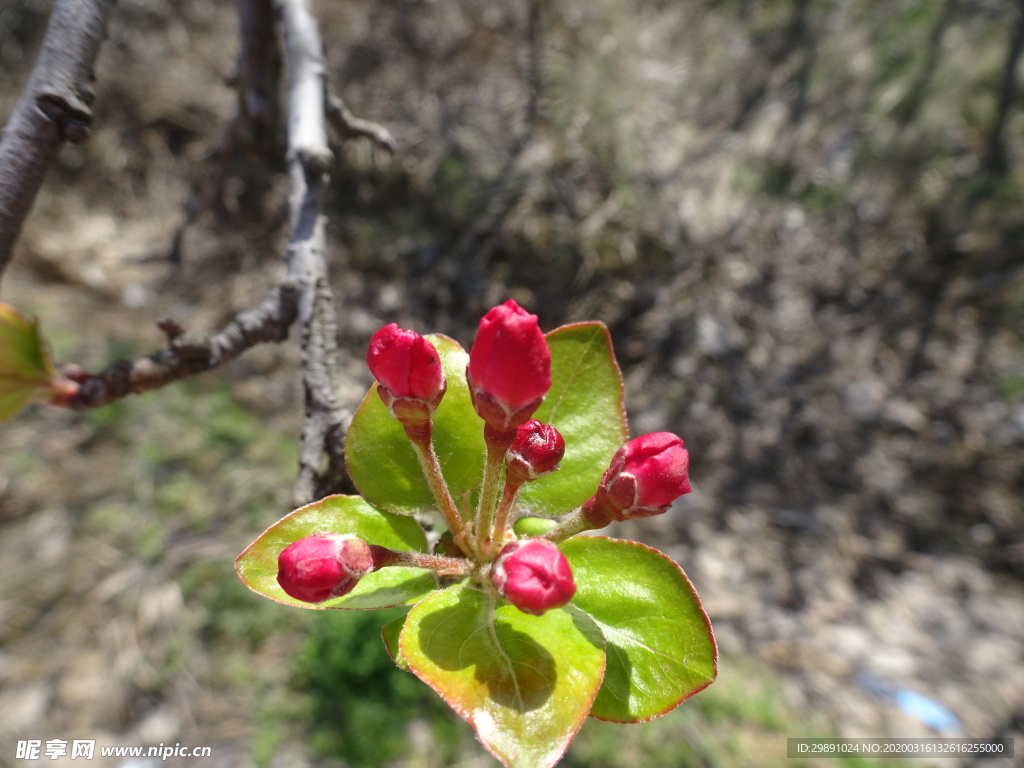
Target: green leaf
x,y
26,371
659,642
381,460
22,349
389,633
585,404
525,683
386,588
13,399
533,526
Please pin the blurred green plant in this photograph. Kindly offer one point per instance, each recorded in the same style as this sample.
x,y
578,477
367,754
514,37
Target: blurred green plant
x,y
360,705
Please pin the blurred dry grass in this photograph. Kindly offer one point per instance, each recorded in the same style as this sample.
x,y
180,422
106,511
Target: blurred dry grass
x,y
781,210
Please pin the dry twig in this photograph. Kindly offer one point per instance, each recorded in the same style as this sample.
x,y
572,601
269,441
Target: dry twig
x,y
187,355
348,126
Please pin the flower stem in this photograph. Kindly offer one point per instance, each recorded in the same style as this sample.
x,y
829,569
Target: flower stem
x,y
435,480
577,521
488,498
445,566
508,495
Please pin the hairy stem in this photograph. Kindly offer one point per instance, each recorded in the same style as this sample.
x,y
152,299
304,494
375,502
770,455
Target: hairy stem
x,y
586,518
445,566
500,531
488,498
435,481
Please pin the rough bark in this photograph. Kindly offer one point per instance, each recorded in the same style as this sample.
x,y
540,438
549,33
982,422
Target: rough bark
x,y
321,449
54,107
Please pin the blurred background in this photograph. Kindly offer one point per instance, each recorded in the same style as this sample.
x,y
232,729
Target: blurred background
x,y
802,222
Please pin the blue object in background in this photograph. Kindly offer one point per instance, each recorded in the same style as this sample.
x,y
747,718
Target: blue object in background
x,y
926,711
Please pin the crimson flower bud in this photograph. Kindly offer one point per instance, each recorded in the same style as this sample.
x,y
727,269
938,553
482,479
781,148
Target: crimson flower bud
x,y
410,381
535,452
533,575
509,367
323,566
646,475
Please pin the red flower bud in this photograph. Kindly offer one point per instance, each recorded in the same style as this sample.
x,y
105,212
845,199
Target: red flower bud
x,y
535,452
509,367
323,566
646,475
410,381
533,575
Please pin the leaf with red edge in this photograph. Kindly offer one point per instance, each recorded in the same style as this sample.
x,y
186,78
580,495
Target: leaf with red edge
x,y
659,642
389,633
525,683
386,588
26,370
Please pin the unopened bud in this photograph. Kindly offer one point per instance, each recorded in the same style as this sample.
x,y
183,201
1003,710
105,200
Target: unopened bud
x,y
323,566
509,367
646,475
410,380
535,452
533,575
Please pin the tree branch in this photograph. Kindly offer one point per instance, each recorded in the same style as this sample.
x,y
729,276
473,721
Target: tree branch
x,y
55,107
348,126
188,355
309,160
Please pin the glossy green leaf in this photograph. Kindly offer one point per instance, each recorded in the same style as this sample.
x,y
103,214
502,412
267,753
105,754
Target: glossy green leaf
x,y
26,371
659,642
585,405
388,587
381,460
533,526
389,633
525,683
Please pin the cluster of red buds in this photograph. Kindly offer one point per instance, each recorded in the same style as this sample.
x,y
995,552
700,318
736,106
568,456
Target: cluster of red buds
x,y
508,375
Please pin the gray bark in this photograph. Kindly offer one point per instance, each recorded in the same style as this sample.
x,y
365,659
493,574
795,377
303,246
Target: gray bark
x,y
321,448
54,107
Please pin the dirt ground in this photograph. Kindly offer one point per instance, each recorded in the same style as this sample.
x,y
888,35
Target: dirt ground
x,y
787,214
